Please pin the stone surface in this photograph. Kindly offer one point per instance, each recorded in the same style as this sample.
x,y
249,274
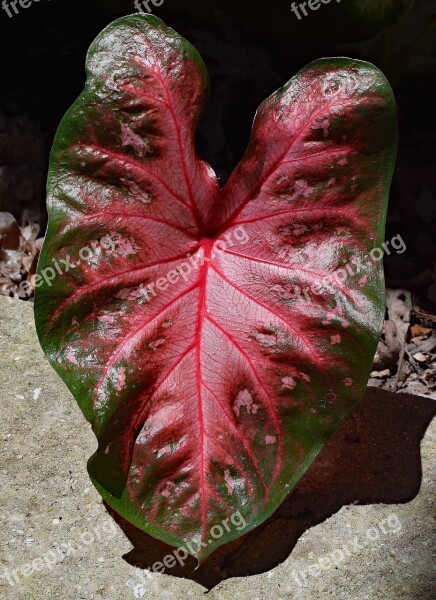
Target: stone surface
x,y
57,541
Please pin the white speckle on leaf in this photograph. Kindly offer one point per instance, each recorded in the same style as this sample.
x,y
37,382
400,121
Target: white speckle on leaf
x,y
122,246
130,138
284,292
164,450
229,482
244,398
298,230
269,340
166,492
270,439
71,358
128,294
120,379
342,231
156,343
134,189
302,188
288,383
324,125
106,318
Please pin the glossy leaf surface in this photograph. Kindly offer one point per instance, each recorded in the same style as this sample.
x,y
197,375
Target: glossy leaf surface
x,y
213,338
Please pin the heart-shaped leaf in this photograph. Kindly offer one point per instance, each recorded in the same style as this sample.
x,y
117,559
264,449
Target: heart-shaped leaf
x,y
214,338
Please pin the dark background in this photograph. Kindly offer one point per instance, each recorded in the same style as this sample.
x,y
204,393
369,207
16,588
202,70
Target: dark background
x,y
250,48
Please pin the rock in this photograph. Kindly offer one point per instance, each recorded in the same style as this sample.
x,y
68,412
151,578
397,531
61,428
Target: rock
x,y
58,542
380,374
389,347
9,232
420,357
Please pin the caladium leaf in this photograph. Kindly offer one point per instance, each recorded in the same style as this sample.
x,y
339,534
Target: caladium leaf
x,y
377,13
213,338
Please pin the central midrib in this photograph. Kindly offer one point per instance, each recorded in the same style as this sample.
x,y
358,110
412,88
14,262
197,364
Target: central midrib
x,y
207,247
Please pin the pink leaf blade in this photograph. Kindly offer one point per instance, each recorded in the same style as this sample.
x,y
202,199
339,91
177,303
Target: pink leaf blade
x,y
193,332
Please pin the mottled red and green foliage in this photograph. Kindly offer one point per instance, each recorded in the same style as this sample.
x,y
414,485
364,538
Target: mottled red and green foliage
x,y
215,393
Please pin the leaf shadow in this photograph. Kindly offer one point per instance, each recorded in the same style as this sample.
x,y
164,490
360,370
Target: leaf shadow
x,y
374,457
